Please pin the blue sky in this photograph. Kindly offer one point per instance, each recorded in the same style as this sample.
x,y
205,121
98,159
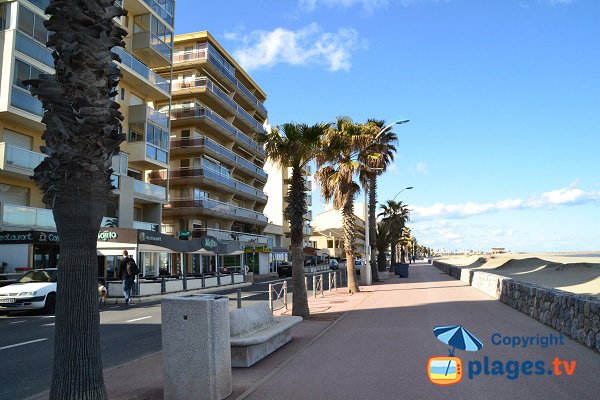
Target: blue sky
x,y
503,98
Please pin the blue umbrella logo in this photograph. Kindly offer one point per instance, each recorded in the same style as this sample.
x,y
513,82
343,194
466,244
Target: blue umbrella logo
x,y
457,337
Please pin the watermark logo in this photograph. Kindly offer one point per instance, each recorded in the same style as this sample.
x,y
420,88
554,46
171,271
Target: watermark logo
x,y
448,370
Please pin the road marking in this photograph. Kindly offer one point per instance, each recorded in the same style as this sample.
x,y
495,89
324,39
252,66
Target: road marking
x,y
138,319
52,324
48,316
16,322
23,344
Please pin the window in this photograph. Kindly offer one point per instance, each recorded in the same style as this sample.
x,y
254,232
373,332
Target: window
x,y
24,71
4,16
123,94
329,244
32,24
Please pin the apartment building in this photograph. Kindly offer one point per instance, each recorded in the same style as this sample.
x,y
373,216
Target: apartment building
x,y
328,233
279,228
216,176
27,236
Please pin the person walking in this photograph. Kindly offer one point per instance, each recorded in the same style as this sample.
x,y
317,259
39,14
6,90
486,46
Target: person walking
x,y
128,270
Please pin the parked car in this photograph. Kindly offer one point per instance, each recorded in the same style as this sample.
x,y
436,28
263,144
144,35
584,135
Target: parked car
x,y
35,289
284,269
333,264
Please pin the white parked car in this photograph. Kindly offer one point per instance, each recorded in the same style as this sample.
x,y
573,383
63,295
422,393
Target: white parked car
x,y
33,290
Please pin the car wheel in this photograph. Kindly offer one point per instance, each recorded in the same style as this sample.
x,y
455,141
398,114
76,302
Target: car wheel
x,y
50,304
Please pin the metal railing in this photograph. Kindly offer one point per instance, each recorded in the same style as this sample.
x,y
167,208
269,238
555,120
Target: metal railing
x,y
217,206
143,70
278,295
217,177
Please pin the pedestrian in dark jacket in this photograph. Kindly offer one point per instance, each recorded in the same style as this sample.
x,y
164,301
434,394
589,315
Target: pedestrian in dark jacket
x,y
127,275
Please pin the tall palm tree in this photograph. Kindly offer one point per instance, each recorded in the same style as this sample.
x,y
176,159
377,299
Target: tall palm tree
x,y
405,242
82,135
383,242
295,145
338,163
375,158
396,214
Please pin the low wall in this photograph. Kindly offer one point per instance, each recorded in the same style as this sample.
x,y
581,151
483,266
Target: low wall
x,y
575,316
149,287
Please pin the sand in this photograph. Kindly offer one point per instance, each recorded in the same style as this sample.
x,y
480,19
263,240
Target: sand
x,y
569,273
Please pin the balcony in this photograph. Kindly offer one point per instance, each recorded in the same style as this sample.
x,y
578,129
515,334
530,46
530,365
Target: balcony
x,y
215,179
149,226
148,155
14,216
223,69
219,209
18,162
204,145
307,230
33,49
150,192
152,41
146,82
205,85
204,117
308,216
142,114
23,100
231,235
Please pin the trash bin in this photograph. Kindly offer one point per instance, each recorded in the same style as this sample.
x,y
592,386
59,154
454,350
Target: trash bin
x,y
401,269
196,347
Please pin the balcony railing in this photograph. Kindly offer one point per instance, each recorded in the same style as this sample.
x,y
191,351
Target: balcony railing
x,y
142,69
205,82
231,235
150,190
149,226
143,113
217,206
205,112
18,159
211,144
22,99
217,177
23,216
215,59
33,49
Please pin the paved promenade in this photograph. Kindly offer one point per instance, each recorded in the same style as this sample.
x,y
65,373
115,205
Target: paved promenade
x,y
375,345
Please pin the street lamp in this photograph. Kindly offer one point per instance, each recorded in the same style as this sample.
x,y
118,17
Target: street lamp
x,y
406,188
368,275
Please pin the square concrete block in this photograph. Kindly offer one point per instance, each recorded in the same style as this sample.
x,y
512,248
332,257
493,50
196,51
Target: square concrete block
x,y
196,347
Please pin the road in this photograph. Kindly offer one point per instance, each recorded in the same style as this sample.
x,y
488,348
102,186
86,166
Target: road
x,y
27,338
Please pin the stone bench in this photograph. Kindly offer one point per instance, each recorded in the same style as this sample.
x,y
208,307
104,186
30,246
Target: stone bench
x,y
255,333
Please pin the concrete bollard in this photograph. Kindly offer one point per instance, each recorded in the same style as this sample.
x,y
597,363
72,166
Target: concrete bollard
x,y
196,347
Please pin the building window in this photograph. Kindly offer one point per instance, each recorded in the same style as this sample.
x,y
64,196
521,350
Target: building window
x,y
24,71
329,244
122,94
32,24
4,16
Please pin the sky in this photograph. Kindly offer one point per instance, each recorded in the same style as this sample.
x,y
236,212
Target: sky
x,y
503,98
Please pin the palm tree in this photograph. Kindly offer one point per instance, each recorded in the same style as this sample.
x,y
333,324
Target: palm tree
x,y
376,157
384,240
82,135
295,145
396,215
405,242
338,163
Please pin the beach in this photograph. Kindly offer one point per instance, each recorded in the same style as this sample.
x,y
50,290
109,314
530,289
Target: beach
x,y
572,273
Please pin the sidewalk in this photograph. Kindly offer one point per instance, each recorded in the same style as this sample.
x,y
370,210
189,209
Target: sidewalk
x,y
375,345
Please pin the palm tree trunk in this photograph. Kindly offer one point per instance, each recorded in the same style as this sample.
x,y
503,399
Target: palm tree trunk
x,y
394,254
348,232
296,210
381,261
373,227
77,372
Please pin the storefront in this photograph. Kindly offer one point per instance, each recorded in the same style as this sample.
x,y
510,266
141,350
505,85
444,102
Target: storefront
x,y
22,250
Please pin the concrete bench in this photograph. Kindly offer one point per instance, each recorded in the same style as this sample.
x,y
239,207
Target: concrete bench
x,y
255,333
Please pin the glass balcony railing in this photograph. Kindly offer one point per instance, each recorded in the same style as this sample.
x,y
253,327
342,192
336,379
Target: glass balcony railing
x,y
150,190
33,49
164,9
205,112
218,62
217,177
143,113
232,235
22,99
41,4
217,206
148,226
239,161
17,157
142,69
30,217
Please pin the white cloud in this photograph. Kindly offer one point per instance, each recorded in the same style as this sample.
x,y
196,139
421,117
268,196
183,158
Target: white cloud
x,y
564,196
308,45
422,168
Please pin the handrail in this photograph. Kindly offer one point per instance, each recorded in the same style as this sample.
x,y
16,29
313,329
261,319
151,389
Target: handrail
x,y
217,177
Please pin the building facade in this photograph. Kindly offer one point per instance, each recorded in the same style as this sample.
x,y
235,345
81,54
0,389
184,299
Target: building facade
x,y
328,234
215,175
149,45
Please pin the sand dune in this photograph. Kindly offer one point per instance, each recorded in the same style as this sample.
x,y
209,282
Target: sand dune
x,y
572,274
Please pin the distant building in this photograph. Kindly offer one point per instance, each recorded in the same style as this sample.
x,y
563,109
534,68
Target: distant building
x,y
328,233
498,250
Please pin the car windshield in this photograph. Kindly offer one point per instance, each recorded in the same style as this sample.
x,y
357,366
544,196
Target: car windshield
x,y
38,276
